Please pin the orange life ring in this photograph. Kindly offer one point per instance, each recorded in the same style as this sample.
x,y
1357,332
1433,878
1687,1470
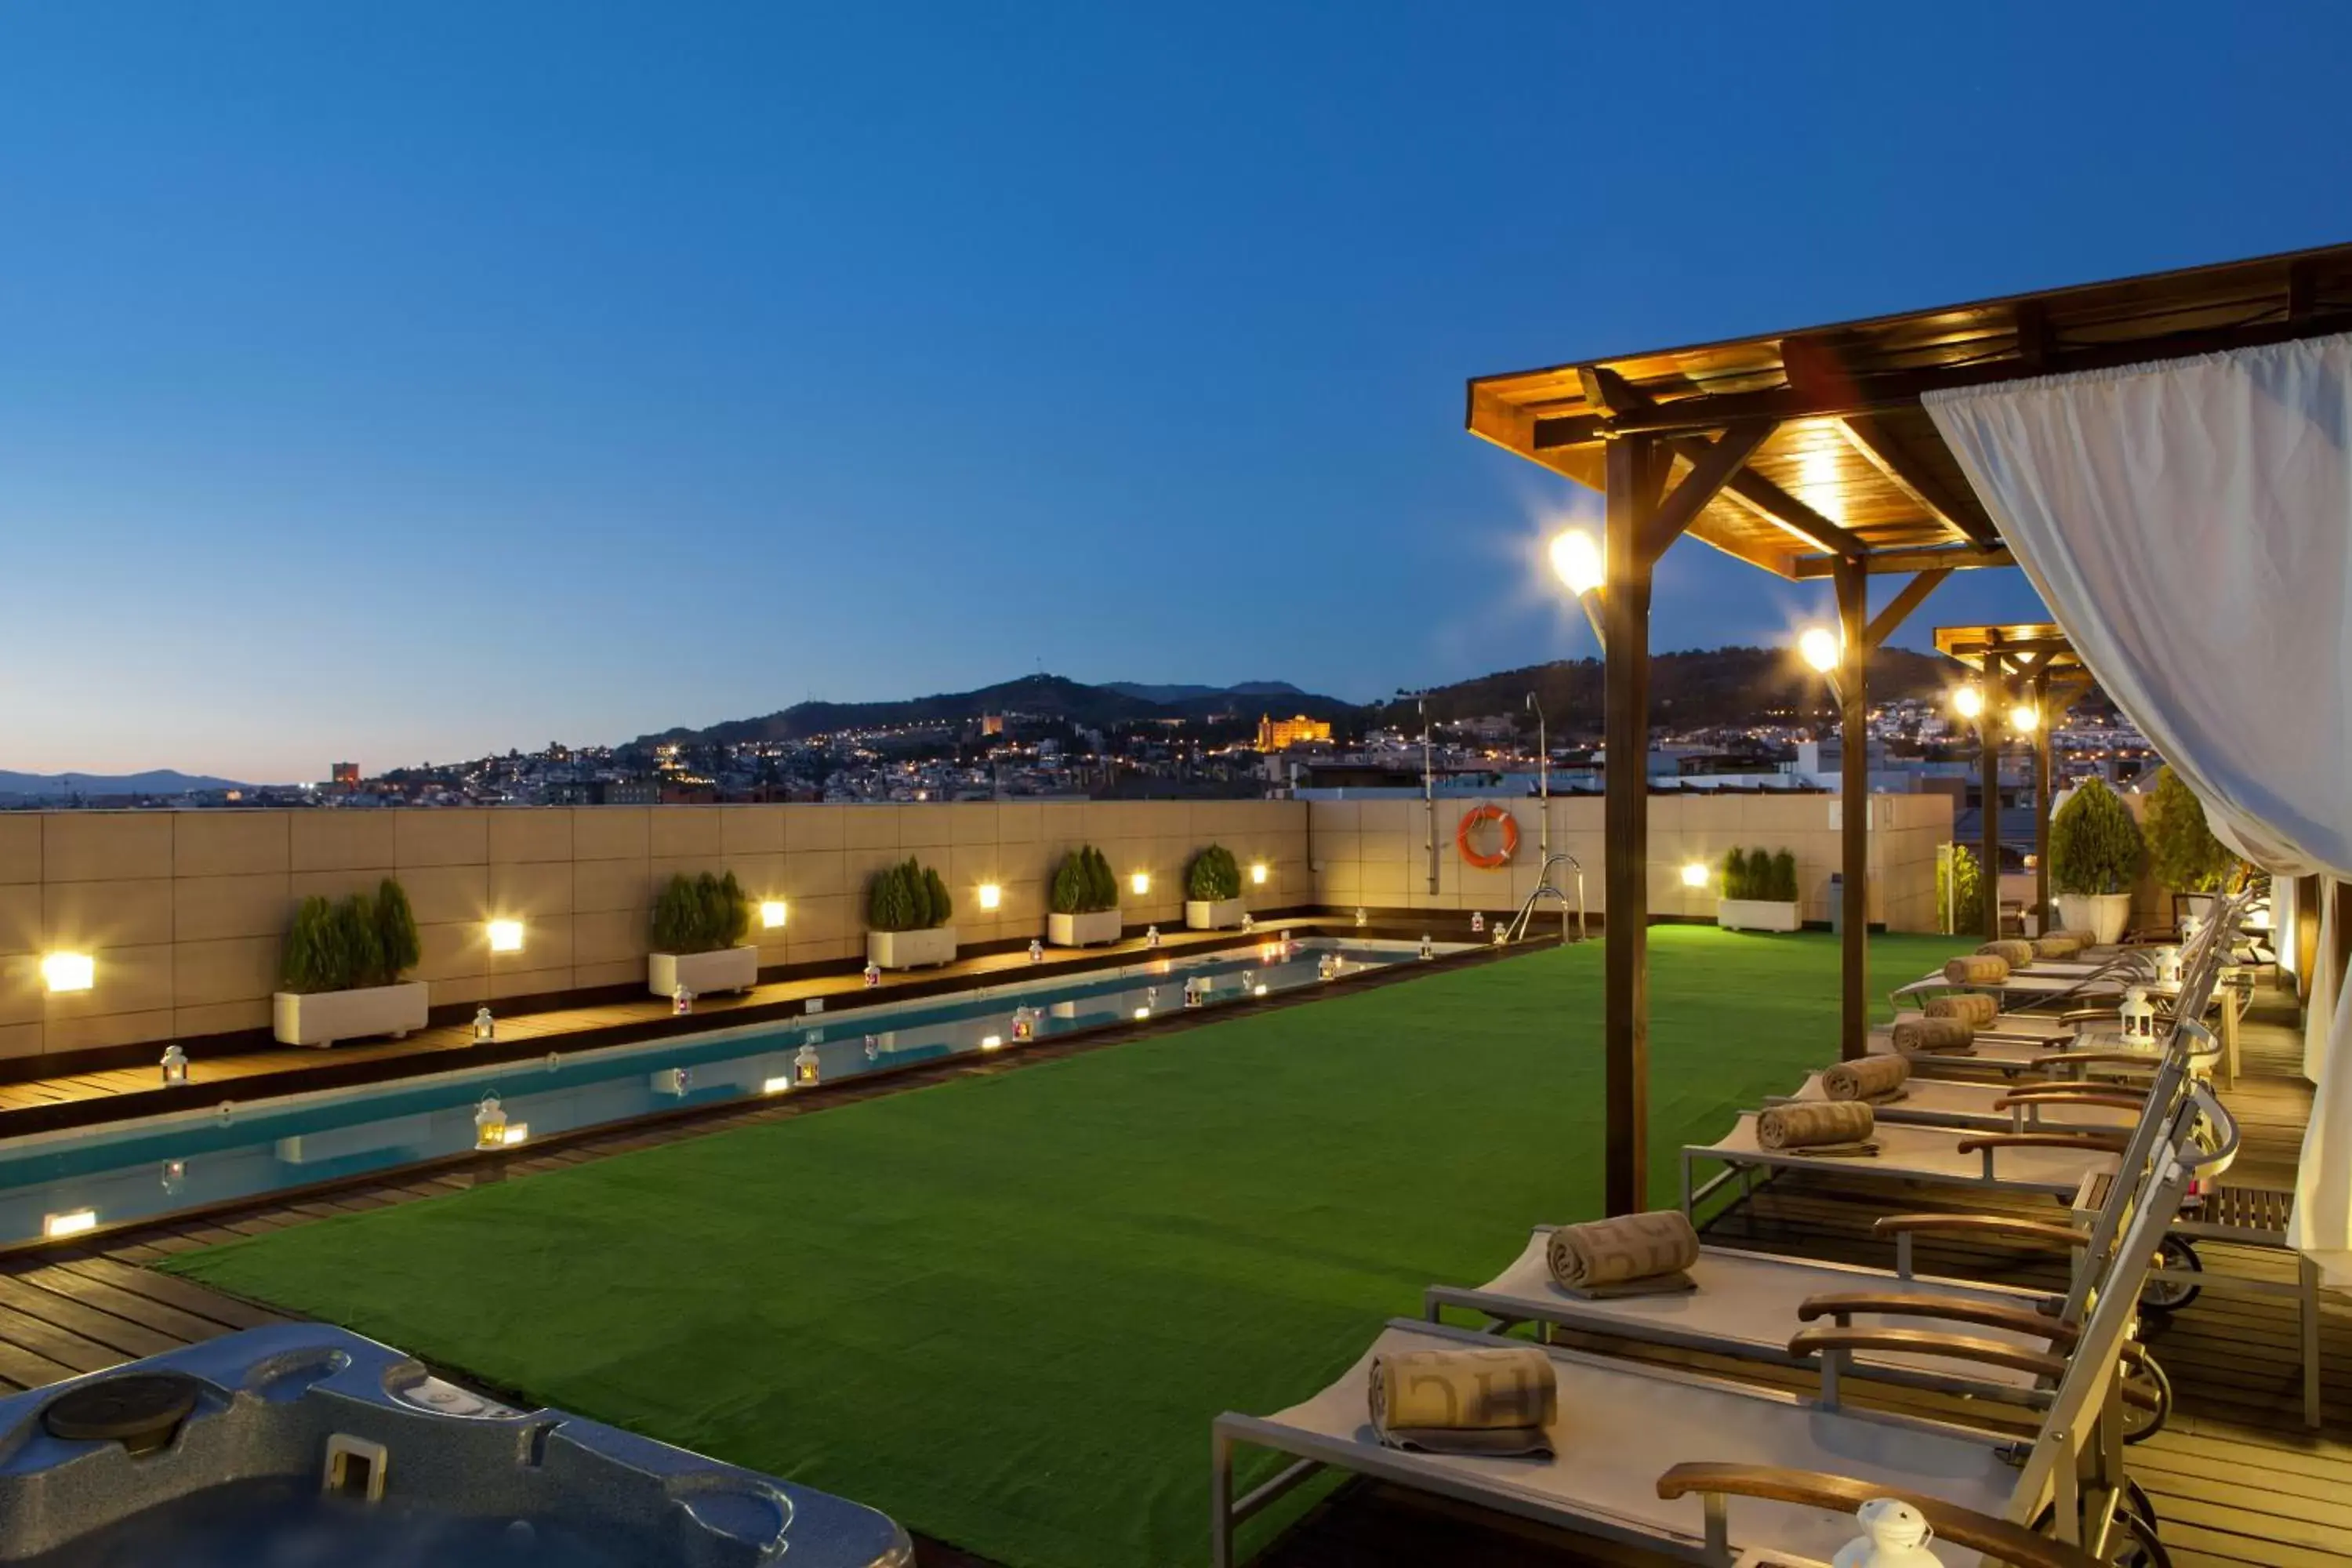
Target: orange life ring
x,y
1470,821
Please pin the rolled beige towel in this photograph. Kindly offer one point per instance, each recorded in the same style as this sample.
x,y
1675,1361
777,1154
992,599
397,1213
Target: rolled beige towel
x,y
1500,1401
1868,1079
2017,954
2081,939
1813,1123
2056,946
1612,1251
1977,969
1973,1008
1912,1036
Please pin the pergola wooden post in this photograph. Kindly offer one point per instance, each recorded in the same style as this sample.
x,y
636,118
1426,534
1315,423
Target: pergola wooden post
x,y
1853,808
1810,455
2042,717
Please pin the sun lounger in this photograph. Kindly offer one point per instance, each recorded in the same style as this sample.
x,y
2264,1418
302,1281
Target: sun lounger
x,y
2051,1164
1993,1108
1618,1422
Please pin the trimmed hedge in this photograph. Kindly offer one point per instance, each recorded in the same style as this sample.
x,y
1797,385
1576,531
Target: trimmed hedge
x,y
345,945
1084,884
701,914
908,896
2095,845
1760,874
1213,875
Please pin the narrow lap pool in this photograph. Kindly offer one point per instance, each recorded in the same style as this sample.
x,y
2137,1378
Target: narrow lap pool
x,y
63,1182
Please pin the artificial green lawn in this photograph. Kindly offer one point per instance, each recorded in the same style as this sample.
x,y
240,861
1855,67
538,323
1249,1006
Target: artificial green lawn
x,y
1003,1308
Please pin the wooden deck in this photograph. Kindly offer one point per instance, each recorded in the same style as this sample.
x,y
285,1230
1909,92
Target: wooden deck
x,y
2235,1477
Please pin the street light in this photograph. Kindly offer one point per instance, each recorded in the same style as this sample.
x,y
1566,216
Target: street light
x,y
1543,777
1576,560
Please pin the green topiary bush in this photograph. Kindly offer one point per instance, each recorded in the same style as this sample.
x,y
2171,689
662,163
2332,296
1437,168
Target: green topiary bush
x,y
1734,875
1761,874
363,939
1783,881
1213,875
1961,882
1083,884
2181,849
908,896
2095,845
701,914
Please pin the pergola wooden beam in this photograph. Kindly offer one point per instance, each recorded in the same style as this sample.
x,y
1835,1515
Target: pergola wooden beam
x,y
1907,599
1926,558
1877,446
1778,507
1713,465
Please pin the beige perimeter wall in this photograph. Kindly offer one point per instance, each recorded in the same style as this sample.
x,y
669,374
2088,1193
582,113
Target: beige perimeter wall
x,y
1374,852
185,912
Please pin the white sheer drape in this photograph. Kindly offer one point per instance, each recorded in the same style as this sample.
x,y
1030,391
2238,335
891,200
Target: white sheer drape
x,y
2189,525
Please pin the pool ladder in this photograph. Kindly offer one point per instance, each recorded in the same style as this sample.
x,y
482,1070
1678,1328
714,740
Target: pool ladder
x,y
1517,929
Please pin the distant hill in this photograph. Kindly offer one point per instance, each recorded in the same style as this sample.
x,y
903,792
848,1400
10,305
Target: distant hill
x,y
1722,686
159,780
1052,696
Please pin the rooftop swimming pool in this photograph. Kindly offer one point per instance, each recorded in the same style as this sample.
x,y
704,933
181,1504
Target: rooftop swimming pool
x,y
61,1183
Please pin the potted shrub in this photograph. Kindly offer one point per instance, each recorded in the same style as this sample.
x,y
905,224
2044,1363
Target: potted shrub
x,y
1213,890
2181,849
699,923
2095,854
342,970
1759,891
907,911
1085,900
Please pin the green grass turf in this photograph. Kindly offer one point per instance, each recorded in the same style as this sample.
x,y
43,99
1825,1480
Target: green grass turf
x,y
1005,1309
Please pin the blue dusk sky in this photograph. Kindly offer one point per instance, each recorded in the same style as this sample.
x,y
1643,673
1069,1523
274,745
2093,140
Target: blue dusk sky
x,y
400,381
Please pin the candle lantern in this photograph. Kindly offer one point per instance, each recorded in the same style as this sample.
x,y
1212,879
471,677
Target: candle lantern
x,y
1151,936
1428,949
175,1177
489,1123
1024,1024
1477,922
1327,965
2138,1018
1249,923
681,1001
175,1066
1036,951
872,975
1500,935
1191,992
2168,966
486,1028
1894,1535
1363,916
805,1067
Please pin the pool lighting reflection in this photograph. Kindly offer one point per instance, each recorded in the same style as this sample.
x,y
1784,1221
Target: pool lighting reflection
x,y
69,1224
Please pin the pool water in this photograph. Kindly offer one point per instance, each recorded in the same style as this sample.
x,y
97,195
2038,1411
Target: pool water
x,y
60,1183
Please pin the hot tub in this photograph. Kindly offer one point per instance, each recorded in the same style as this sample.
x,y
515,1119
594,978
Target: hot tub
x,y
300,1445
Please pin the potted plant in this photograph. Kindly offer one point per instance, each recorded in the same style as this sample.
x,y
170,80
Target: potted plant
x,y
907,911
1759,891
2181,849
1213,890
2095,854
699,923
342,969
1085,900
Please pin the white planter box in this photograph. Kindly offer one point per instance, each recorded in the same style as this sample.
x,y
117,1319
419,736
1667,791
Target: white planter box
x,y
704,974
911,949
2103,915
323,1017
1214,914
1756,914
1084,930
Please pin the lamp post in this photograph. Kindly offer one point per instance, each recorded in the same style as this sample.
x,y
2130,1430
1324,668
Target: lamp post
x,y
1543,779
1576,560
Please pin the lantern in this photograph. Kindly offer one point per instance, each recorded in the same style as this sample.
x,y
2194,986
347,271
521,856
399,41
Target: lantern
x,y
1428,950
1477,922
872,975
1327,966
1500,935
175,1177
2138,1016
1363,916
486,1028
489,1123
1024,1024
175,1066
681,1000
873,1048
1151,936
2168,966
1249,923
1036,951
1191,992
1894,1535
805,1067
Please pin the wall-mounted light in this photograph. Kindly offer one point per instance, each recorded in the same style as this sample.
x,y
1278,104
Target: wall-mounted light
x,y
991,895
773,913
775,1085
1967,701
1257,874
1140,882
1695,875
68,970
1820,648
506,936
72,1223
991,1042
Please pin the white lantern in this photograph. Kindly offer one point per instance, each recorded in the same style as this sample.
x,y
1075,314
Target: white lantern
x,y
1024,1024
873,975
1191,992
1363,916
1249,921
1894,1535
1477,922
175,1066
486,1028
681,1000
805,1067
489,1123
2138,1018
1036,951
1327,965
1428,949
1151,936
2168,966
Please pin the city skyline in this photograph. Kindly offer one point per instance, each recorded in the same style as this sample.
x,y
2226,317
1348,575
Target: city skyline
x,y
417,383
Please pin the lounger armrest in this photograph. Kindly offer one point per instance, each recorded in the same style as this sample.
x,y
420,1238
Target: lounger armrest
x,y
2067,1089
1996,1538
2048,1232
2148,1060
2088,1143
1951,1309
1926,1341
2062,1094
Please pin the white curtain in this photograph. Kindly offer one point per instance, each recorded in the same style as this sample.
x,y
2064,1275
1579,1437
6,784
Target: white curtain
x,y
2189,525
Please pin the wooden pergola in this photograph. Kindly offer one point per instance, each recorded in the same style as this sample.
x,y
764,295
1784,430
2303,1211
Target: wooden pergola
x,y
1809,455
2050,671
